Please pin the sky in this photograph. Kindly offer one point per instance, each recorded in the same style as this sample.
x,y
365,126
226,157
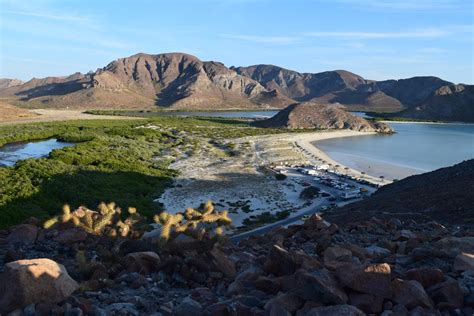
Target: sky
x,y
377,39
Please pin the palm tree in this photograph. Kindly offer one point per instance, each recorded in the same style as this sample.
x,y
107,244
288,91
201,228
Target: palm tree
x,y
381,178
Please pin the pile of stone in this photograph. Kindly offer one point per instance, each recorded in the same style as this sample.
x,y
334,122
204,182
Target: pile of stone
x,y
381,267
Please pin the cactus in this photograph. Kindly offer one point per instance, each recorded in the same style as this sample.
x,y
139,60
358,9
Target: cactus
x,y
66,214
196,223
51,222
106,221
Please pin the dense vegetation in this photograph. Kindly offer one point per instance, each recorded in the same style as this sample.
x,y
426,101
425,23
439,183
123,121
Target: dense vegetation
x,y
114,160
375,116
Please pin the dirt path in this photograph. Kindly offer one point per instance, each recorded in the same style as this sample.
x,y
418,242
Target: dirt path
x,y
60,115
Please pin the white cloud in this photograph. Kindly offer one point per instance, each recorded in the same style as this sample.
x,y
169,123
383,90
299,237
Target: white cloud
x,y
50,16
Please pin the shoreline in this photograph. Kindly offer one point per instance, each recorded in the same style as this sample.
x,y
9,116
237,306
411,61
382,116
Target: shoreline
x,y
426,122
314,153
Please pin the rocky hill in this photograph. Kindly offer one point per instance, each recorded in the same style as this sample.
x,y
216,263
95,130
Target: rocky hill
x,y
375,267
7,83
310,115
8,111
169,80
448,103
178,81
417,97
442,195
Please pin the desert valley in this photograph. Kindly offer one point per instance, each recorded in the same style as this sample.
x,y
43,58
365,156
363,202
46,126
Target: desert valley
x,y
163,184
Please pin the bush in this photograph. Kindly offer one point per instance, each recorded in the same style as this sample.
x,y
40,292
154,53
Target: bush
x,y
280,176
309,193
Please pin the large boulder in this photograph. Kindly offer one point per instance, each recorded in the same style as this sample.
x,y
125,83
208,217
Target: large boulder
x,y
336,310
370,279
426,276
319,286
24,234
287,302
447,294
283,262
456,245
142,262
222,263
72,235
26,282
366,302
410,294
280,262
464,262
337,254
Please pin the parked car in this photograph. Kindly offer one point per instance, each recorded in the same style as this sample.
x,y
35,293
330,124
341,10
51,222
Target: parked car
x,y
305,217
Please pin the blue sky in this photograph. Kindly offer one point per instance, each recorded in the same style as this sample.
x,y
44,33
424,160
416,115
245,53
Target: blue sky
x,y
378,39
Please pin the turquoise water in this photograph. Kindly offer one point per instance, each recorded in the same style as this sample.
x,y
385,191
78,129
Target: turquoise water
x,y
11,153
415,148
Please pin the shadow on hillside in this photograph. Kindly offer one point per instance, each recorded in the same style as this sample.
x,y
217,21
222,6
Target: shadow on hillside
x,y
87,188
51,89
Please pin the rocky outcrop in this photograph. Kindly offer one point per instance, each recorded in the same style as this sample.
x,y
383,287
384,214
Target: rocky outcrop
x,y
442,195
309,115
382,266
35,281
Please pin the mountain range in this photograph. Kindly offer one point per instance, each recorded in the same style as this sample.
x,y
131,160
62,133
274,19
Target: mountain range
x,y
182,81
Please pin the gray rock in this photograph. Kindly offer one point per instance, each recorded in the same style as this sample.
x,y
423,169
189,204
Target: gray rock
x,y
188,306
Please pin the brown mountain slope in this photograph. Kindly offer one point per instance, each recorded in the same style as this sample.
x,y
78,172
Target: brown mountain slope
x,y
8,111
444,195
346,88
302,86
314,115
448,103
416,97
179,81
7,83
172,80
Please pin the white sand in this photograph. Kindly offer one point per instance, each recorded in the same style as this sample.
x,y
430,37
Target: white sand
x,y
239,183
305,141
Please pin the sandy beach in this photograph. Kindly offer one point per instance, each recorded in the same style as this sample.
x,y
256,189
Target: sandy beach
x,y
315,155
242,183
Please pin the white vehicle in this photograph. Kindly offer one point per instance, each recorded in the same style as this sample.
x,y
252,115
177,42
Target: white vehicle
x,y
351,194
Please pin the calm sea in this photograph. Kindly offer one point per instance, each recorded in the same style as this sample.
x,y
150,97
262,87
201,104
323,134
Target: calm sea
x,y
415,148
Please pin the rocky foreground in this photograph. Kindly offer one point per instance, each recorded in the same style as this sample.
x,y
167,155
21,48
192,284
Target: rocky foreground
x,y
385,267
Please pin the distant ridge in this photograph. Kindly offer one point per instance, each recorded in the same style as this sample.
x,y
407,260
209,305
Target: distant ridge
x,y
182,81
